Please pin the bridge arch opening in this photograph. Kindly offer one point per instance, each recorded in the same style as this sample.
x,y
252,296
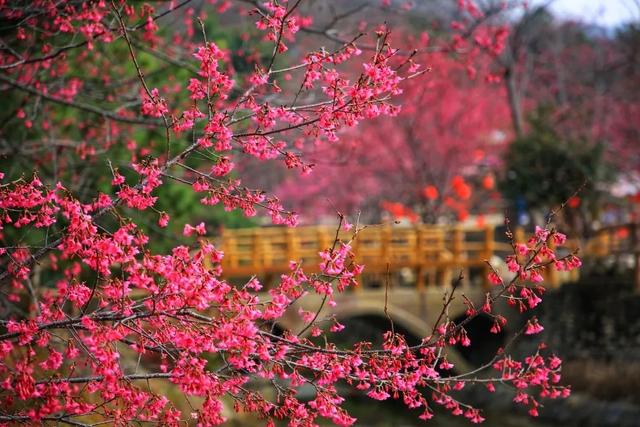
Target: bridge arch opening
x,y
370,328
484,344
276,329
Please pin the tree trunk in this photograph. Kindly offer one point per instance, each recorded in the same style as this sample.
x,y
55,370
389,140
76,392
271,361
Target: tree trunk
x,y
514,101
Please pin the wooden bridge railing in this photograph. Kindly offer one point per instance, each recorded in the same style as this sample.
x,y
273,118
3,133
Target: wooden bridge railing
x,y
616,241
432,252
435,254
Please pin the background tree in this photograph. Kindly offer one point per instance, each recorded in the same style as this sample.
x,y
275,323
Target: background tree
x,y
435,158
584,72
565,170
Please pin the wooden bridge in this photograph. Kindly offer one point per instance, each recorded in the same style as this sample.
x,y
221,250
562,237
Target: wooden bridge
x,y
426,255
419,264
430,252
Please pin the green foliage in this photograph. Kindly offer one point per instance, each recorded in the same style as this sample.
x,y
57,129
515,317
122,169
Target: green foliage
x,y
183,203
544,169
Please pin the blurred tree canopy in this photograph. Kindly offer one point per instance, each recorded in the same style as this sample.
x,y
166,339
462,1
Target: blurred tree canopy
x,y
544,169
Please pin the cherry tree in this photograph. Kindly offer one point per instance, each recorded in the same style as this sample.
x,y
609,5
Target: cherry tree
x,y
435,158
112,104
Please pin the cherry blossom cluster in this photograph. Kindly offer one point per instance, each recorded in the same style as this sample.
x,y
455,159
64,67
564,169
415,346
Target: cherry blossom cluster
x,y
528,264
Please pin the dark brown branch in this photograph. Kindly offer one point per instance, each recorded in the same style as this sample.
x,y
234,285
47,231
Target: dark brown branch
x,y
80,380
79,105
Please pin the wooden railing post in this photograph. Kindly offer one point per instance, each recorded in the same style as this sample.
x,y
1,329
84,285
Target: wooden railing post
x,y
518,234
385,252
256,255
386,243
293,253
228,246
224,245
456,247
602,243
489,247
420,258
323,239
